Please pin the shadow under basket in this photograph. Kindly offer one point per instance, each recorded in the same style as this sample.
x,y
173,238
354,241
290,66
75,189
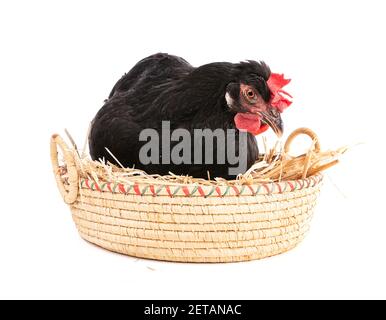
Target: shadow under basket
x,y
187,223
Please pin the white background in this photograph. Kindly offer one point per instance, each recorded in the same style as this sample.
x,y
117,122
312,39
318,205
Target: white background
x,y
59,61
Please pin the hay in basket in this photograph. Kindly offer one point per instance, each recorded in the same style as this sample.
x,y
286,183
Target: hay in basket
x,y
262,213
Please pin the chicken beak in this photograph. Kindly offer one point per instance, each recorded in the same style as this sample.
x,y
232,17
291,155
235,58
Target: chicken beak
x,y
273,119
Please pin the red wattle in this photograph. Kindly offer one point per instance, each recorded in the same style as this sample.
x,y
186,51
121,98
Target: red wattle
x,y
250,122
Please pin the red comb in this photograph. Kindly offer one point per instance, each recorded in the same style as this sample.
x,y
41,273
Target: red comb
x,y
280,99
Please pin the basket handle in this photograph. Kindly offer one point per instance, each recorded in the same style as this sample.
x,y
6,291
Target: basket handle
x,y
298,132
70,193
313,136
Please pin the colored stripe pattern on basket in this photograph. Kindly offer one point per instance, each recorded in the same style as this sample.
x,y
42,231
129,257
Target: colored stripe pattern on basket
x,y
203,190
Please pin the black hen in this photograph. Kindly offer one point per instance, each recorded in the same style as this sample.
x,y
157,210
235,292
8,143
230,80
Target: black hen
x,y
163,87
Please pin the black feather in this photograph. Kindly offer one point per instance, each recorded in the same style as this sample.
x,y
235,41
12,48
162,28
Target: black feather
x,y
165,87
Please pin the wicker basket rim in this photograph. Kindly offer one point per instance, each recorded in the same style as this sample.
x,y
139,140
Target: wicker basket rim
x,y
70,188
190,189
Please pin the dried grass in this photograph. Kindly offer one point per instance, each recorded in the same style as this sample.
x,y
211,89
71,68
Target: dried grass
x,y
276,165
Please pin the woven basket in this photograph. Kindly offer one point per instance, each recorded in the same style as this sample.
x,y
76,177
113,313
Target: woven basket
x,y
188,223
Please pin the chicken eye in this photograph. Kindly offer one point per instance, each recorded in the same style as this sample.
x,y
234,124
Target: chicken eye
x,y
250,94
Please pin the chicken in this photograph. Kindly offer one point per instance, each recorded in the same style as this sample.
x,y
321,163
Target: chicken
x,y
241,96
